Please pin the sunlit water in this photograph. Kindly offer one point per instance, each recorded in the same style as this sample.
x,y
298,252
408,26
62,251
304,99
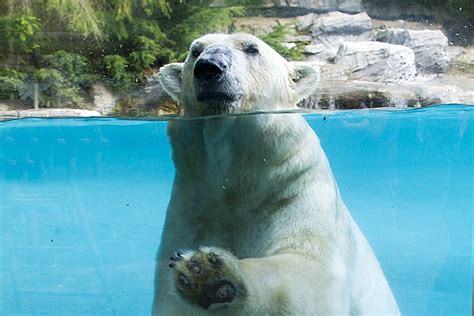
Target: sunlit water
x,y
82,204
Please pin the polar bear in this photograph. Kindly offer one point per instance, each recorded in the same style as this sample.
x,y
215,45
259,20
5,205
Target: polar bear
x,y
256,224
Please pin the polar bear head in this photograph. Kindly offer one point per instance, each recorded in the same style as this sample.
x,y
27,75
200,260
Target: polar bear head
x,y
236,73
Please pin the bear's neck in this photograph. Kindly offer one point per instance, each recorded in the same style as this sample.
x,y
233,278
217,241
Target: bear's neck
x,y
246,155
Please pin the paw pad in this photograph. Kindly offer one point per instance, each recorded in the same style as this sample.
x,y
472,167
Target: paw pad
x,y
206,277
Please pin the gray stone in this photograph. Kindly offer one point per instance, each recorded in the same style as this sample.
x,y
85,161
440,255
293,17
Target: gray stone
x,y
454,52
331,72
104,100
298,38
429,46
58,113
289,45
463,65
377,61
6,114
351,6
319,53
358,94
304,22
336,28
260,26
314,49
342,24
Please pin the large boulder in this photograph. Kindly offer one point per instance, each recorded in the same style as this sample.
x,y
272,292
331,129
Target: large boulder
x,y
335,28
342,24
377,61
429,46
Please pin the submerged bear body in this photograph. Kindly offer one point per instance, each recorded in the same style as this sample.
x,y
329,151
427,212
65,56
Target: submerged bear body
x,y
256,224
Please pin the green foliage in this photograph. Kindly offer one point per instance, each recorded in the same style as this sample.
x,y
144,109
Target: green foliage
x,y
276,38
78,15
56,89
11,81
64,46
75,67
202,20
146,53
18,33
116,68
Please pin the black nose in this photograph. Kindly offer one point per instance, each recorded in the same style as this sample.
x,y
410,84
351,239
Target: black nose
x,y
208,69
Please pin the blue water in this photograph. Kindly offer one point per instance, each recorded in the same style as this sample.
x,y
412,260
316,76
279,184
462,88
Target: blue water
x,y
82,203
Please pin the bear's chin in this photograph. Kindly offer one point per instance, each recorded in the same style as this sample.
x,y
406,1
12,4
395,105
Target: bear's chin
x,y
216,103
218,107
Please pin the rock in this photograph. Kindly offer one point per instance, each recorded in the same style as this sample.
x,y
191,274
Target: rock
x,y
331,72
351,6
153,89
445,92
153,99
58,113
342,24
8,114
313,49
463,64
289,45
454,52
402,24
259,26
319,52
104,100
298,38
429,46
377,61
304,22
335,28
355,94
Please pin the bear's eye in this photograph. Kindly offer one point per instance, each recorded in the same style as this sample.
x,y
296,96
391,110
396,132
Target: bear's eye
x,y
196,51
251,49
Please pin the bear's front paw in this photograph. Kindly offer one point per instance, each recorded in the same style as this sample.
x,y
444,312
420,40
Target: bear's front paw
x,y
207,277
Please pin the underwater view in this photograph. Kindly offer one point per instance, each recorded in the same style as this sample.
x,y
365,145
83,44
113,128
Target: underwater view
x,y
83,204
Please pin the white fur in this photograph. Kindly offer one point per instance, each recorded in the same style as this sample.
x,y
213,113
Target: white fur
x,y
261,187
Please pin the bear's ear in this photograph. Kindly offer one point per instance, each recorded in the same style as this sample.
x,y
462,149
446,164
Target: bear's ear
x,y
170,79
305,77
